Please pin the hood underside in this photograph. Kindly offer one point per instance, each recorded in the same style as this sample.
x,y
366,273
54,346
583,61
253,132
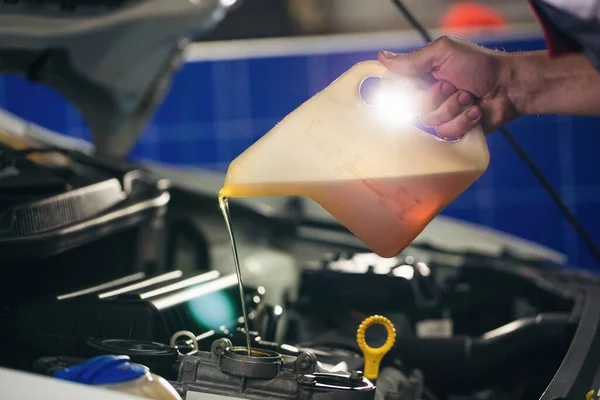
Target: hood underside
x,y
111,59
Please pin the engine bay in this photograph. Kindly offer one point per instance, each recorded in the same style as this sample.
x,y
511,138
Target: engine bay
x,y
132,272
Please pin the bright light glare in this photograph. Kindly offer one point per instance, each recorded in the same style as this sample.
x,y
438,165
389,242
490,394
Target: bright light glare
x,y
212,310
289,348
228,3
404,271
393,105
423,269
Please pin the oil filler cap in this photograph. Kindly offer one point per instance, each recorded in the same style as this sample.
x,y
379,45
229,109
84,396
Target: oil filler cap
x,y
373,356
103,370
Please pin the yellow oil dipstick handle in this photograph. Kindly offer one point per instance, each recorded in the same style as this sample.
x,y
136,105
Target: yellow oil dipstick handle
x,y
373,356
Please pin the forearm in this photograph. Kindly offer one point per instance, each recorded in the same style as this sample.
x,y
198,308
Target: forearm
x,y
538,85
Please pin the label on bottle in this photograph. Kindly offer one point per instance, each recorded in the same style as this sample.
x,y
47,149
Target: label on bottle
x,y
435,328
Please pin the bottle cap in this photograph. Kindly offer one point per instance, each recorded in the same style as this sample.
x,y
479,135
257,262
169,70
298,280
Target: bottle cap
x,y
373,356
103,370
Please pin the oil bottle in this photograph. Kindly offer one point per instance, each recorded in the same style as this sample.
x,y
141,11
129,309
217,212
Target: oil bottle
x,y
380,176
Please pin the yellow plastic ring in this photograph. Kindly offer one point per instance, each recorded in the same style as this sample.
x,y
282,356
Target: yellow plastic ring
x,y
589,395
362,329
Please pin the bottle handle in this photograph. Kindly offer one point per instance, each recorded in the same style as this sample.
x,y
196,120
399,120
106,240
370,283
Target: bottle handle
x,y
347,86
348,89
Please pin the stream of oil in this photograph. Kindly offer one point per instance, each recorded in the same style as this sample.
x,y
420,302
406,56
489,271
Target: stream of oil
x,y
224,206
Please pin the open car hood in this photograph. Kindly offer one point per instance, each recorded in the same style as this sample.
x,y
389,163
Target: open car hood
x,y
113,60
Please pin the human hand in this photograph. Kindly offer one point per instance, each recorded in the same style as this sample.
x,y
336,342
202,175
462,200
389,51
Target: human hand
x,y
464,84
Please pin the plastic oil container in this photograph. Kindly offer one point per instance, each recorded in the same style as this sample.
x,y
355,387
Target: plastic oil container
x,y
373,170
118,373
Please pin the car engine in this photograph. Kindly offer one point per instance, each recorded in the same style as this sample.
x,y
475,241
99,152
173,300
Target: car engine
x,y
103,280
